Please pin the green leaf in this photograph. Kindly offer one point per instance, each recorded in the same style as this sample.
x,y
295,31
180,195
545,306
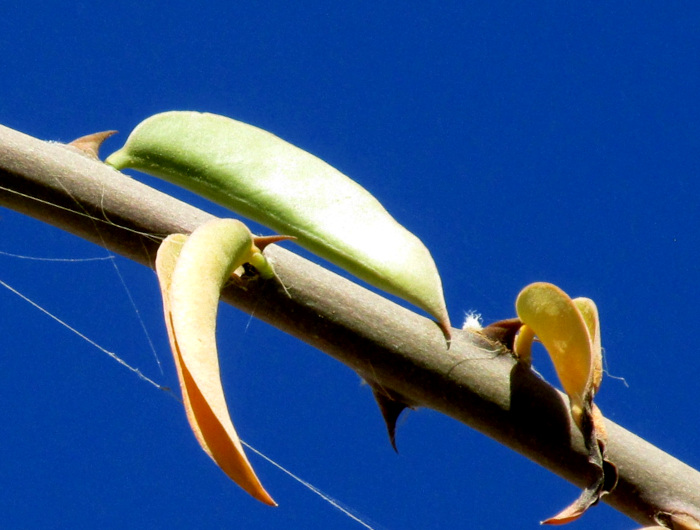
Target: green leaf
x,y
270,181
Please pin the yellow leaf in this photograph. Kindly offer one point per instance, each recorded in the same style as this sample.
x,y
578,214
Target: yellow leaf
x,y
523,344
589,312
192,272
558,323
570,332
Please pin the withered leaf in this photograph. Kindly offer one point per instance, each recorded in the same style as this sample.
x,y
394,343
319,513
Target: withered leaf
x,y
191,272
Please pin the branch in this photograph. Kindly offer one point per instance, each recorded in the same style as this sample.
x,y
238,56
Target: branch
x,y
474,382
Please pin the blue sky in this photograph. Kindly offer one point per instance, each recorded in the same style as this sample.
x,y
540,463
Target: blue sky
x,y
555,142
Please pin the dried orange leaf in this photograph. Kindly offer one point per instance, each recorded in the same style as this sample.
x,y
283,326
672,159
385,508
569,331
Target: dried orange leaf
x,y
604,482
575,510
192,272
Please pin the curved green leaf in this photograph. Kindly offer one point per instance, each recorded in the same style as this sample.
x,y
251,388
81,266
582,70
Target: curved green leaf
x,y
270,181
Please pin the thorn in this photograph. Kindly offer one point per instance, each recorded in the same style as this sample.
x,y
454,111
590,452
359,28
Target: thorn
x,y
391,406
90,144
503,331
263,241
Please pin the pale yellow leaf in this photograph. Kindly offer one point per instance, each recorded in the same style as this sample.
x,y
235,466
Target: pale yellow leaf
x,y
192,272
558,323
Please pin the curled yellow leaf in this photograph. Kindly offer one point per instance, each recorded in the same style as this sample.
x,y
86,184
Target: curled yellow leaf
x,y
558,322
589,312
191,271
570,332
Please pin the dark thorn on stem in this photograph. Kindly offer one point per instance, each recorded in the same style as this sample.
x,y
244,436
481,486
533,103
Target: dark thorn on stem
x,y
391,406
